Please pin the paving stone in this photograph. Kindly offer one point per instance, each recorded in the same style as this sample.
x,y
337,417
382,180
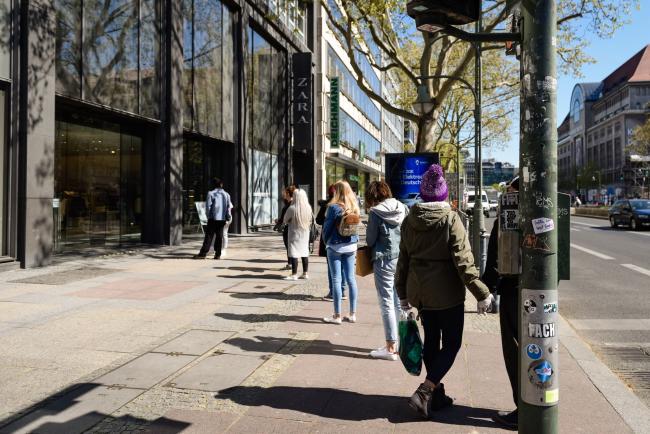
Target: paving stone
x,y
145,371
74,412
217,372
194,342
67,276
196,422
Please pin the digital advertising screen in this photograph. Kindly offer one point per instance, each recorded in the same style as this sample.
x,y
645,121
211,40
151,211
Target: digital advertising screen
x,y
404,173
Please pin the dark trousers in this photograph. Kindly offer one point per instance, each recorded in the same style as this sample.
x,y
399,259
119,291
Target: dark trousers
x,y
294,265
213,230
508,317
441,325
285,239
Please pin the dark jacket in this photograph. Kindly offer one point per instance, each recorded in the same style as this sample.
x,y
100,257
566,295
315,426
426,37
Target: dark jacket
x,y
330,231
435,261
504,285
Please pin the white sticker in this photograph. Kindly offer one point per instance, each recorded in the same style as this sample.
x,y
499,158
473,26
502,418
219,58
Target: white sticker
x,y
542,225
526,177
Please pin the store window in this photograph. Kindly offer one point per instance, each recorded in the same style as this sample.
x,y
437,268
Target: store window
x,y
108,52
208,76
266,120
5,33
97,183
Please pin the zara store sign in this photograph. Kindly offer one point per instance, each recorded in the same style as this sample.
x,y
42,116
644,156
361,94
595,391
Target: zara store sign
x,y
302,102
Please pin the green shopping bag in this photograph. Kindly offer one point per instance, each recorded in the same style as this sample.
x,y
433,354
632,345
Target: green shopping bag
x,y
410,344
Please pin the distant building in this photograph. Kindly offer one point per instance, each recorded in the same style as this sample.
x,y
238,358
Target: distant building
x,y
594,138
494,171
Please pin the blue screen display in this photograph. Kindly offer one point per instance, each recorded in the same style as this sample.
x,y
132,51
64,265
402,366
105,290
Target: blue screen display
x,y
404,173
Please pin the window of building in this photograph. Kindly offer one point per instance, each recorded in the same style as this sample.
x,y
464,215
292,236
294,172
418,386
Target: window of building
x,y
354,136
208,76
350,88
109,53
266,92
5,33
97,183
618,153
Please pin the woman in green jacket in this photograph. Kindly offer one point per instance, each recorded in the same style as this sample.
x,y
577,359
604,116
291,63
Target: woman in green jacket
x,y
435,266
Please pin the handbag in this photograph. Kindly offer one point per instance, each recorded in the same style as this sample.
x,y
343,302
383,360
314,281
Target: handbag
x,y
410,344
364,262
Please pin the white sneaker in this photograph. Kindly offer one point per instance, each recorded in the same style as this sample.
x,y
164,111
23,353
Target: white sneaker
x,y
291,277
332,320
352,318
383,353
223,253
304,276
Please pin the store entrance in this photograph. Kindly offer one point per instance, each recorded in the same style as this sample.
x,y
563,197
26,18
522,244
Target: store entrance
x,y
97,184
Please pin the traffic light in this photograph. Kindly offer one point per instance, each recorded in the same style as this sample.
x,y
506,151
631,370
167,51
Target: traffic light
x,y
433,15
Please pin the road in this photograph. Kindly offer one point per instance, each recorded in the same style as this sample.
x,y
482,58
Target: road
x,y
607,299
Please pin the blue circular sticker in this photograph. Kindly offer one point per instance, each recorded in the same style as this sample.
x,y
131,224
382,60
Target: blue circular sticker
x,y
544,371
534,351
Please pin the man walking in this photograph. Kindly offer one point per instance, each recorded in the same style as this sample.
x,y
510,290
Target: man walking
x,y
508,288
217,208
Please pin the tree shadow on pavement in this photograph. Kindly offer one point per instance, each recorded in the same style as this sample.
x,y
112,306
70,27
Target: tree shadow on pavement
x,y
317,347
60,413
269,317
254,276
249,269
273,296
351,406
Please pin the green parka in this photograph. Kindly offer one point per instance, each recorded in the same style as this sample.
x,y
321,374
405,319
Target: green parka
x,y
435,260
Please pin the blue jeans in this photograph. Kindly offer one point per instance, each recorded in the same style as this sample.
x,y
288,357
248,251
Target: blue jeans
x,y
389,304
329,281
342,266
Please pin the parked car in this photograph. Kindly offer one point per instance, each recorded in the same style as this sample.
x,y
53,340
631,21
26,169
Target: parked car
x,y
494,205
469,203
634,213
411,199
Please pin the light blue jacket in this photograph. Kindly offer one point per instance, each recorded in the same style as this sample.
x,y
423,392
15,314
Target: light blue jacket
x,y
383,232
330,232
217,204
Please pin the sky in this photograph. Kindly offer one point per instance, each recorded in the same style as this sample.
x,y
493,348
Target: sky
x,y
609,55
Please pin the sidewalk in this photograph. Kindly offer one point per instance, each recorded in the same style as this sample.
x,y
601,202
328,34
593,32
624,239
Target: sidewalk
x,y
156,342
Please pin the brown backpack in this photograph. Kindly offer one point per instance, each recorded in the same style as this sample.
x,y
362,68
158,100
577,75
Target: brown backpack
x,y
349,223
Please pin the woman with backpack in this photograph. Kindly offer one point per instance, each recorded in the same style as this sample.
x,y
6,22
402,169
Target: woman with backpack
x,y
298,218
340,232
385,217
435,266
322,249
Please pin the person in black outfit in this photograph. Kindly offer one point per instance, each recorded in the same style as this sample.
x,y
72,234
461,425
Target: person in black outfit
x,y
508,288
287,195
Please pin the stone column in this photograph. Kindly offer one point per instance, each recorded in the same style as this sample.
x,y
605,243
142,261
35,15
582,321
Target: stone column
x,y
37,79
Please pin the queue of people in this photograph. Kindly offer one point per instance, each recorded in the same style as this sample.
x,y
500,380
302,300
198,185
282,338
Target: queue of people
x,y
421,258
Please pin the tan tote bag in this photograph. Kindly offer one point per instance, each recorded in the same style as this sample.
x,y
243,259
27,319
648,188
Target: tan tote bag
x,y
364,262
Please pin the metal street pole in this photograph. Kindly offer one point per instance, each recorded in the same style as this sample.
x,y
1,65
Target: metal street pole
x,y
478,223
458,192
538,297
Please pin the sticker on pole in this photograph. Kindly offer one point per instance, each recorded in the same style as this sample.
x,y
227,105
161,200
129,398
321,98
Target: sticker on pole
x,y
540,374
534,352
542,225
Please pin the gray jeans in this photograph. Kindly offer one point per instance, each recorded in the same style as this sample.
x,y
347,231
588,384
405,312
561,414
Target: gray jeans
x,y
387,296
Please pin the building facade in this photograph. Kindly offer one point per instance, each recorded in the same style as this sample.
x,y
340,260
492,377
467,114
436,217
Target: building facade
x,y
115,115
494,171
594,139
363,130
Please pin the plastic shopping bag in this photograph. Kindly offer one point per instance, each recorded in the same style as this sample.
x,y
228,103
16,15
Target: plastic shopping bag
x,y
410,344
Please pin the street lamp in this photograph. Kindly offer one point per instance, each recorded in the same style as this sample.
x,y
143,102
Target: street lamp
x,y
424,104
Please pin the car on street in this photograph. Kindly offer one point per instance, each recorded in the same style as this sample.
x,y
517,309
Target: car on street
x,y
411,199
494,205
634,213
469,203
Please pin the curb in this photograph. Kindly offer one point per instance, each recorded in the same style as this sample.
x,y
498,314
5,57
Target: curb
x,y
633,411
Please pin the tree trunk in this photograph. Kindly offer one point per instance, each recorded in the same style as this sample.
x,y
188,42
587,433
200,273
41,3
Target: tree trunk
x,y
426,132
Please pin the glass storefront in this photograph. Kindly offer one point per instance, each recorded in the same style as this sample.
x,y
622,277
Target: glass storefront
x,y
3,170
110,53
358,179
267,135
5,34
97,183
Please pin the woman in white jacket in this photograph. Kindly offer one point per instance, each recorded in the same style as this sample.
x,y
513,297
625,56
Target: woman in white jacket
x,y
298,218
